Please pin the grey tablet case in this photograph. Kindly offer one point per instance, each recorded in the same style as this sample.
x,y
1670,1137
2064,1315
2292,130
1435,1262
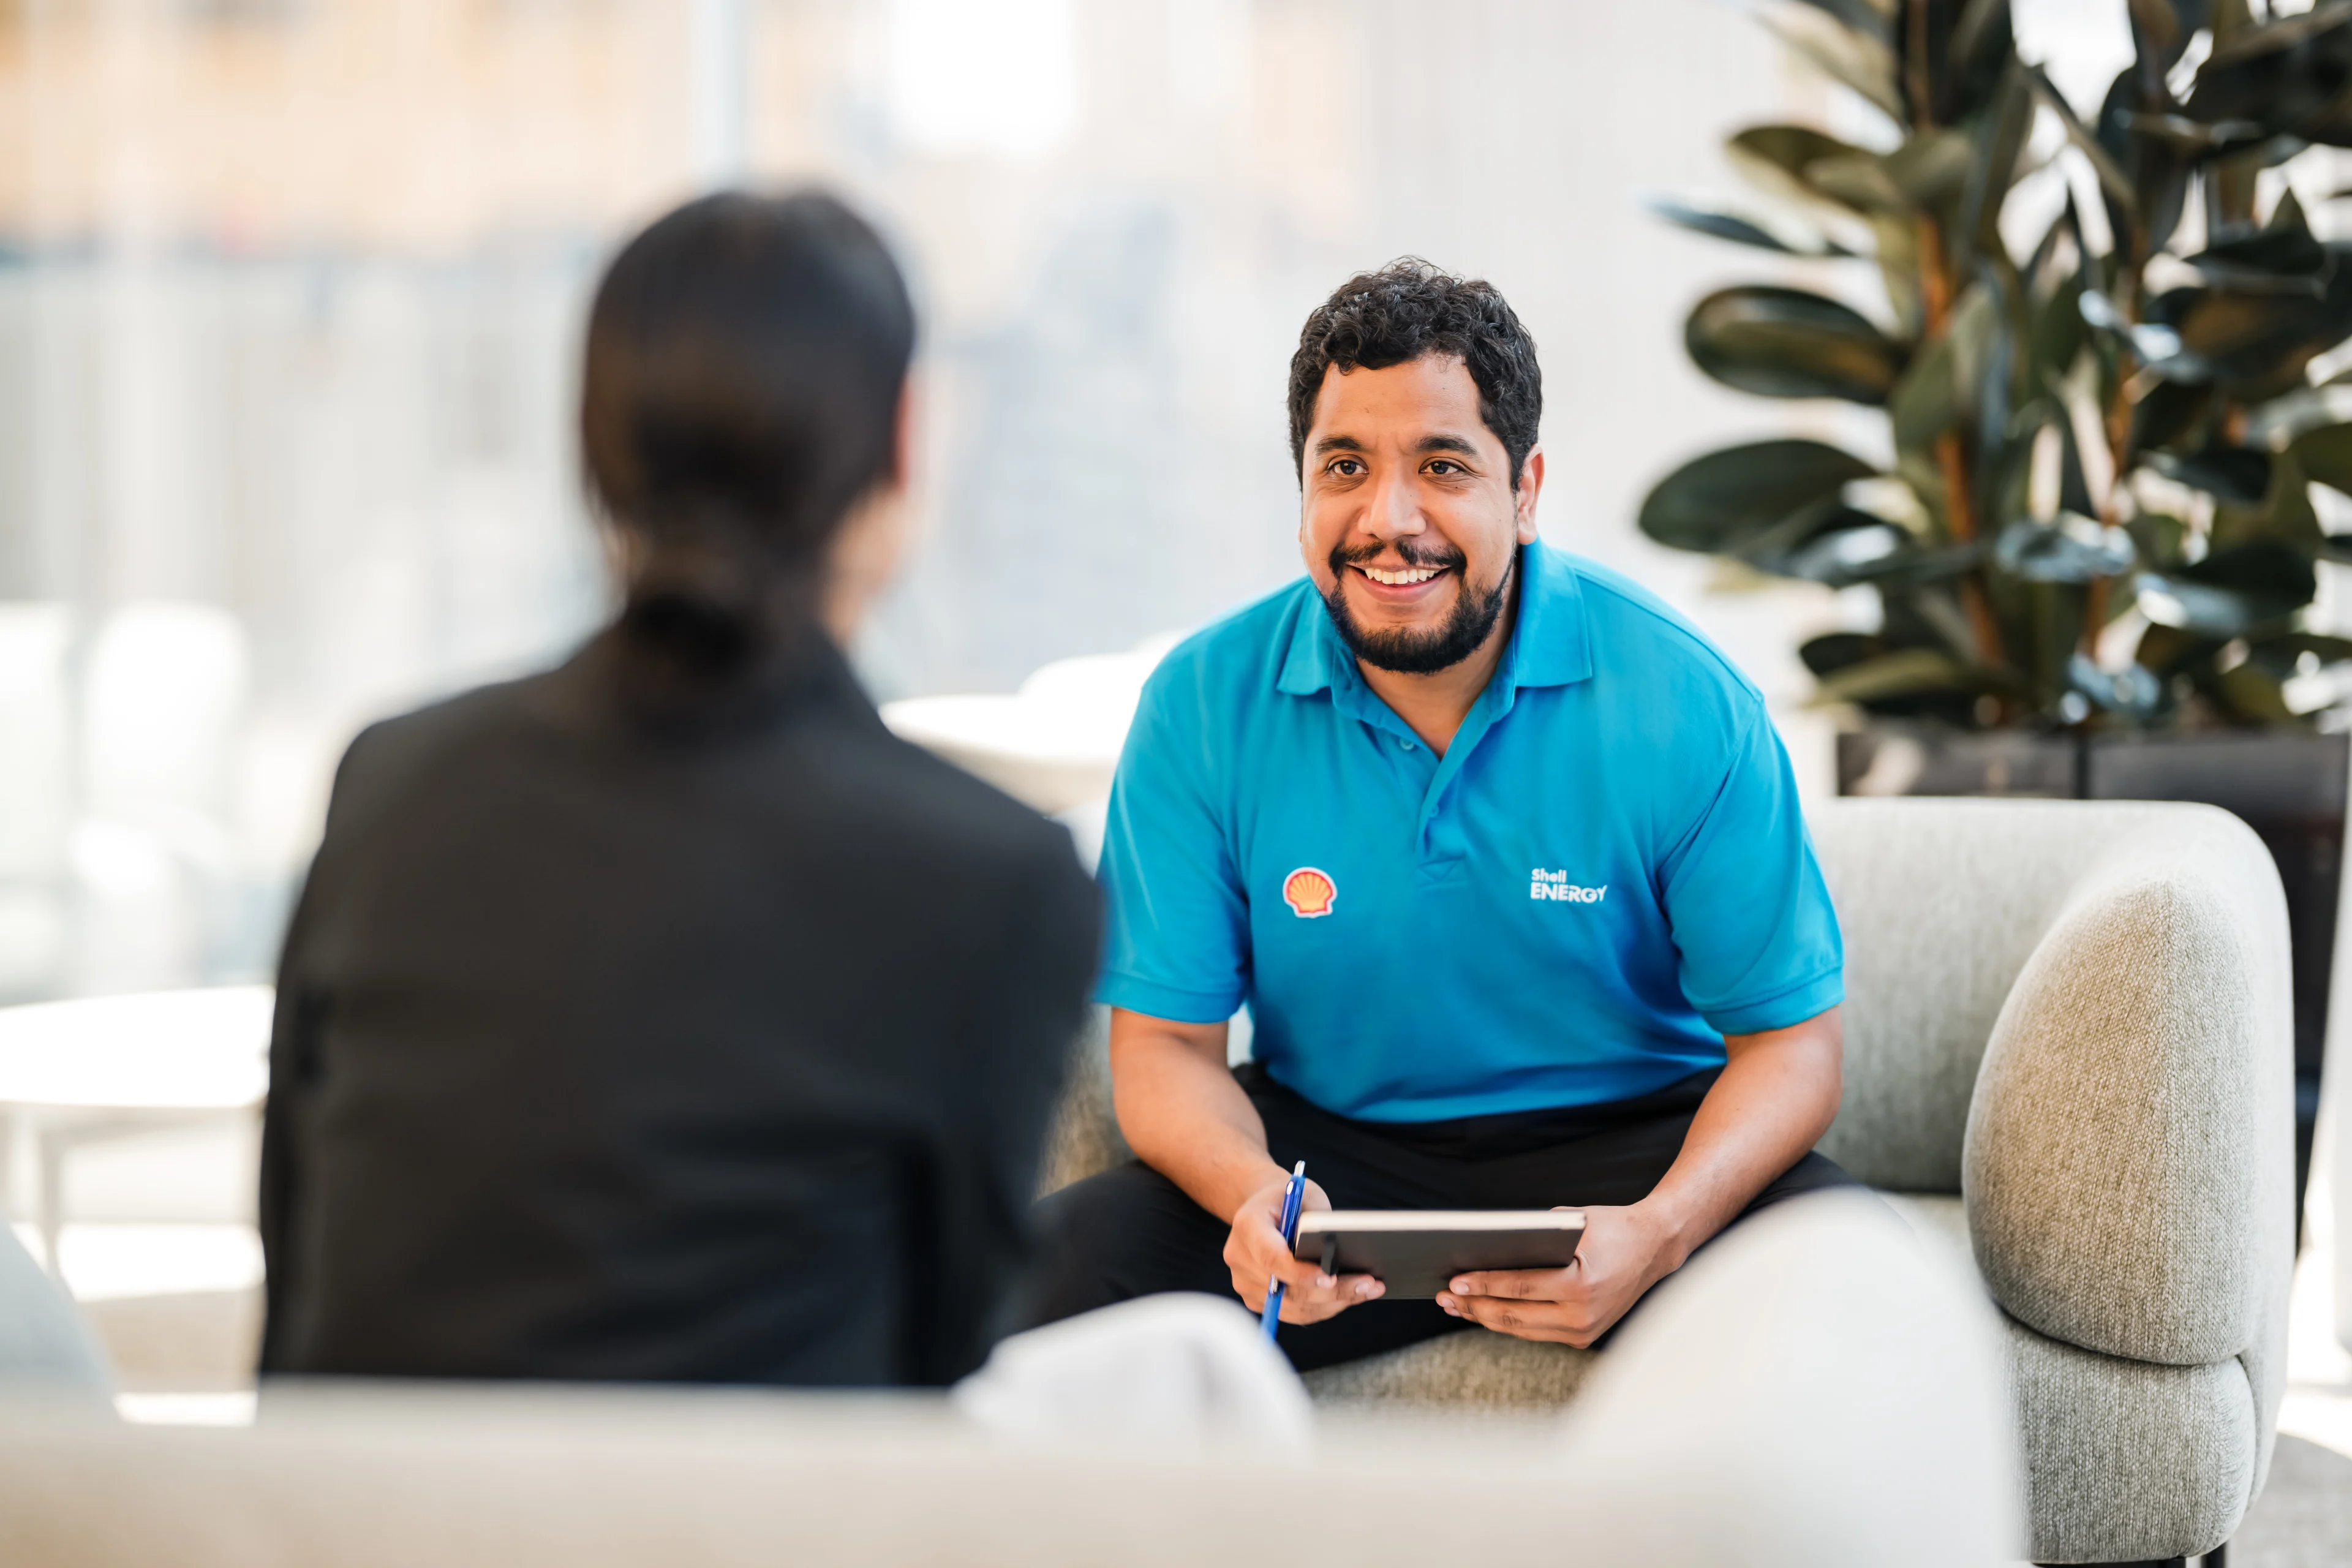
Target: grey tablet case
x,y
1414,1252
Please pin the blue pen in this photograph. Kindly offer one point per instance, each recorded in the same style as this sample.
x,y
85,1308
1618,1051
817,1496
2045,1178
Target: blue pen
x,y
1292,1197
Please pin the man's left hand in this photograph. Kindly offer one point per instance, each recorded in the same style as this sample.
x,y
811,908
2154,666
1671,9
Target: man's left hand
x,y
1624,1252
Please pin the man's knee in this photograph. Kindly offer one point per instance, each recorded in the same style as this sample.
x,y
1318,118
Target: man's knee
x,y
1816,1172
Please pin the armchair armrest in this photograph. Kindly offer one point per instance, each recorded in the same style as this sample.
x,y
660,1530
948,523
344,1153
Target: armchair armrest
x,y
2128,1156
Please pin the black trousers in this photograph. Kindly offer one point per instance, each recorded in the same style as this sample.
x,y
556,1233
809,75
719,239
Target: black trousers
x,y
1132,1232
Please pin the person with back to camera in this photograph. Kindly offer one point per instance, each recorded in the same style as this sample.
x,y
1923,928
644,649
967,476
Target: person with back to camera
x,y
1504,858
662,1016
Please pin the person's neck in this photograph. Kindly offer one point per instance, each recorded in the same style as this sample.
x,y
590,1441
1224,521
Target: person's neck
x,y
1433,706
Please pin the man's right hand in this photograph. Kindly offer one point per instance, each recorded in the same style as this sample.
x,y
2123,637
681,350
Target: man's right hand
x,y
1258,1255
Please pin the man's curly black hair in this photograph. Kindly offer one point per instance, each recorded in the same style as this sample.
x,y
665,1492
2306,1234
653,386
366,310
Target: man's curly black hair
x,y
1408,309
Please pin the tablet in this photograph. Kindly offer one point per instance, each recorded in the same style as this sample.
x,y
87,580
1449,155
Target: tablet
x,y
1414,1252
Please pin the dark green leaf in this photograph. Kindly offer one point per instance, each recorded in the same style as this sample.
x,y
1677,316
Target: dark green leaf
x,y
1983,25
2058,332
1781,158
1929,616
1965,46
1996,381
1938,391
1726,499
1858,58
1786,342
2165,651
2254,345
2288,75
2131,690
1827,655
1913,567
2284,519
1928,400
2250,694
2156,30
1788,238
2265,567
2194,138
1865,183
2290,415
1874,18
2171,412
2230,182
2111,180
1911,673
1897,240
1997,144
2070,550
2325,455
2073,485
1791,149
2232,592
2157,344
2282,651
2235,474
2159,538
2279,258
1841,556
2204,611
1840,545
2157,170
1836,650
1931,167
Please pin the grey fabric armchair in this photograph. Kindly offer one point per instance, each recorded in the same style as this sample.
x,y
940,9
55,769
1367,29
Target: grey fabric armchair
x,y
2068,1046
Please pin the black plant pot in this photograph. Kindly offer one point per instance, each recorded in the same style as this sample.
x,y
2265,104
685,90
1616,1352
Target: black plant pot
x,y
2287,785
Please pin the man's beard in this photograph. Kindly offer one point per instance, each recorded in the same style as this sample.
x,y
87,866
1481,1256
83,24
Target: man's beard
x,y
1410,651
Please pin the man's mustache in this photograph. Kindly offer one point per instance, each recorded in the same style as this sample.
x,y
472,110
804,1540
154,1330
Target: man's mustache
x,y
1413,554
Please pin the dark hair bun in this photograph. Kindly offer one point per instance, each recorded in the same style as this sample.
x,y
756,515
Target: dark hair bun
x,y
745,360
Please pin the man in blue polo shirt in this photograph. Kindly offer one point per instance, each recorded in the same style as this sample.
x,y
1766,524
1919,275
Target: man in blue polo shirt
x,y
1504,858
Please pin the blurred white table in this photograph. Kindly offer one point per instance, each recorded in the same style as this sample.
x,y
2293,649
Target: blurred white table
x,y
79,1072
1054,744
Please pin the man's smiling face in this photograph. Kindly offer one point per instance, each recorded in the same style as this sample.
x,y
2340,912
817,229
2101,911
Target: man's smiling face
x,y
1408,522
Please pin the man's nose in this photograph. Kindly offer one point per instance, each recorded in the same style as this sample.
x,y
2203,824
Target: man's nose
x,y
1393,509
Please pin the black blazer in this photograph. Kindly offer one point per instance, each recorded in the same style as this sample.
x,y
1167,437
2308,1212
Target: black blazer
x,y
708,1044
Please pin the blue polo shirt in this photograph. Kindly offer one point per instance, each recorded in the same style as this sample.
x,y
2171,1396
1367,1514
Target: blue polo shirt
x,y
1606,873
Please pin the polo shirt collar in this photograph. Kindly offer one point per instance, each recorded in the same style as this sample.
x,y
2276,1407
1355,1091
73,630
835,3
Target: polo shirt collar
x,y
1550,645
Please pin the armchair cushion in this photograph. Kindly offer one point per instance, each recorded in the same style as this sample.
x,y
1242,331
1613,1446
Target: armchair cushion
x,y
1472,1370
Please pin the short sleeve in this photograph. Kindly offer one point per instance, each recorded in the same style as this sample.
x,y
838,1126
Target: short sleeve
x,y
1753,926
1177,944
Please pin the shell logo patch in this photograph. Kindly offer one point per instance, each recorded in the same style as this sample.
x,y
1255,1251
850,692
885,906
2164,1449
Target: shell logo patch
x,y
1308,892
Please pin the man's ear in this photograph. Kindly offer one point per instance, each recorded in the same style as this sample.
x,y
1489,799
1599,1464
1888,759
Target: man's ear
x,y
1531,472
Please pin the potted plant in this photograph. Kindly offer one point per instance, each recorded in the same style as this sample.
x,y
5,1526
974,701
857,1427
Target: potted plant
x,y
2092,528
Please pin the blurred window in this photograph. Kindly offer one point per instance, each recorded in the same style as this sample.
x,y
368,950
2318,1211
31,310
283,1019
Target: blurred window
x,y
291,293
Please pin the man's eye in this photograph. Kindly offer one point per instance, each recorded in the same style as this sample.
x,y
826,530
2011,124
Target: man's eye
x,y
1346,467
1443,467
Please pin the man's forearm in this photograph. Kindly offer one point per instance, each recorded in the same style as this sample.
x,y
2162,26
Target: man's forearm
x,y
1777,1095
1184,1116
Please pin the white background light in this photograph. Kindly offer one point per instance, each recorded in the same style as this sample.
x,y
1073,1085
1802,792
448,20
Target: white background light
x,y
991,76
